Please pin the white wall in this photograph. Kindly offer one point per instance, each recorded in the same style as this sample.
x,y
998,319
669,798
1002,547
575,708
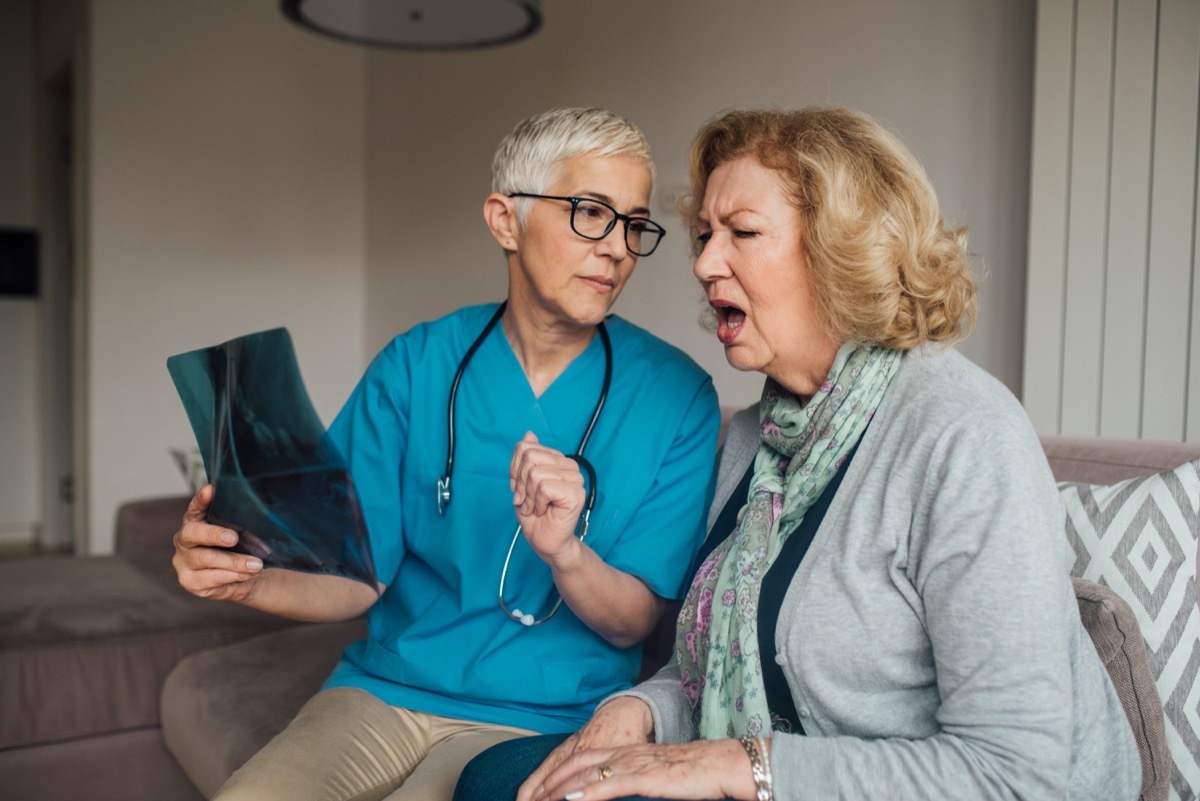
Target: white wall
x,y
16,123
227,196
19,459
952,78
245,174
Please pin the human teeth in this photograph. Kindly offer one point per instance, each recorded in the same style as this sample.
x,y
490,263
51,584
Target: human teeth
x,y
734,318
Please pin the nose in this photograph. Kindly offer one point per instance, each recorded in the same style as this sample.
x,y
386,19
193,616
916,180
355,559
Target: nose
x,y
613,244
710,264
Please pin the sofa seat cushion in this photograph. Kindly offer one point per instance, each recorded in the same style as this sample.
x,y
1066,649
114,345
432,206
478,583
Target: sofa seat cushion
x,y
221,705
130,765
85,644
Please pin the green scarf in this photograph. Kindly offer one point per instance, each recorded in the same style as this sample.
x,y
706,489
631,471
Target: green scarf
x,y
802,448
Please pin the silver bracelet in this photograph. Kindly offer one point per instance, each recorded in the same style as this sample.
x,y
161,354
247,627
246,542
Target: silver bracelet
x,y
762,778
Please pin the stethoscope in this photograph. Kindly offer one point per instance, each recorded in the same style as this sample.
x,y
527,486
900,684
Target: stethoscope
x,y
443,484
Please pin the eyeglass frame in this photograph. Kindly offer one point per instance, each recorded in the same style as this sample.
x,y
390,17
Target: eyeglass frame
x,y
617,217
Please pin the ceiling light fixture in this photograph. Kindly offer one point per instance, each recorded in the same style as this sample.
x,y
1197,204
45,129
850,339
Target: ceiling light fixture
x,y
418,24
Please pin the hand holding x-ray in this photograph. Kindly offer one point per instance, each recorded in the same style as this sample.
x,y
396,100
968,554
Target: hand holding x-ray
x,y
278,481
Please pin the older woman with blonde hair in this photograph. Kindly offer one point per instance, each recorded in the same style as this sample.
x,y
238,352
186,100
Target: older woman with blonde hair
x,y
881,608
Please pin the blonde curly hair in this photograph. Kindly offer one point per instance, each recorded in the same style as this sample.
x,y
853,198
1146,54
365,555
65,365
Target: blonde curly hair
x,y
885,267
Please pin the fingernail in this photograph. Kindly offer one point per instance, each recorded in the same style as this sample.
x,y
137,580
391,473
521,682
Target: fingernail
x,y
573,796
228,538
254,564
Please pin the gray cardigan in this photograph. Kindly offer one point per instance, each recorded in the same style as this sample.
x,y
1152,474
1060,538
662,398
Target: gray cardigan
x,y
931,638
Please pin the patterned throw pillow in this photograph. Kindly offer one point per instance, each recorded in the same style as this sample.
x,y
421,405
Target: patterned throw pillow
x,y
1139,537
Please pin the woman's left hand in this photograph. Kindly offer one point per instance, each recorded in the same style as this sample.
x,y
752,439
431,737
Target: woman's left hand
x,y
703,769
548,496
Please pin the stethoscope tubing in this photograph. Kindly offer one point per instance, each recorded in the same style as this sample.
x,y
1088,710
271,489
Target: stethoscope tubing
x,y
444,482
443,497
525,618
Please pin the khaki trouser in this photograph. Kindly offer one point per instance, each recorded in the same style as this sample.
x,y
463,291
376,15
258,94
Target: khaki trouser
x,y
347,745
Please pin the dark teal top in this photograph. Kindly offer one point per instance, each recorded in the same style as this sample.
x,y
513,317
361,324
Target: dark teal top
x,y
775,586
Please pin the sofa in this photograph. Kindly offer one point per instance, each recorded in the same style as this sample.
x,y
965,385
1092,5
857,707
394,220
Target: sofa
x,y
115,683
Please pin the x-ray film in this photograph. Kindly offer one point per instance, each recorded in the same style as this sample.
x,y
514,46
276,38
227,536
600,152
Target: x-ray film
x,y
278,480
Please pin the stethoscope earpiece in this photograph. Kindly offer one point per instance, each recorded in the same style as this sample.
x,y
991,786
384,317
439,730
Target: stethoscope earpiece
x,y
443,484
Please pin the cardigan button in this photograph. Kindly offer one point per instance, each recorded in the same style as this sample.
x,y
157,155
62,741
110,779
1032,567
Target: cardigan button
x,y
779,660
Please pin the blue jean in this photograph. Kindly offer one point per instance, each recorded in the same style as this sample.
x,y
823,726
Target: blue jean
x,y
497,773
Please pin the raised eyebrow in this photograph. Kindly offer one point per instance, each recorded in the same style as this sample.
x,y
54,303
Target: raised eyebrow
x,y
640,211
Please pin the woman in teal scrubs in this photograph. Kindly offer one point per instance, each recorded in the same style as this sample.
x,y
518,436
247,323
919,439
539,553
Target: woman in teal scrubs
x,y
447,670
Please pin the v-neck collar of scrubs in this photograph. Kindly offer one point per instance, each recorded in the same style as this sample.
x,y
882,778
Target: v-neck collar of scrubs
x,y
566,405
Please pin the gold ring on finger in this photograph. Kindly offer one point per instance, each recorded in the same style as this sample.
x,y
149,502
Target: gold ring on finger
x,y
604,771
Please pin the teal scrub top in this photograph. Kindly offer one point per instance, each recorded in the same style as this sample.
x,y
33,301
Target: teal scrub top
x,y
438,641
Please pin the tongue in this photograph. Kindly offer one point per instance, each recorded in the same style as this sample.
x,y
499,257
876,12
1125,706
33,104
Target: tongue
x,y
731,323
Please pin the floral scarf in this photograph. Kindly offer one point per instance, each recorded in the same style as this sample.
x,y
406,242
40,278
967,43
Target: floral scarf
x,y
802,448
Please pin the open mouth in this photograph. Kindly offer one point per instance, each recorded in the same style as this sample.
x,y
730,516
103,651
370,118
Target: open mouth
x,y
729,320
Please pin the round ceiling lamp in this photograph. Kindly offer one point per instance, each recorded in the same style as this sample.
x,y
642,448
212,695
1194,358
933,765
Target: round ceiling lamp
x,y
418,24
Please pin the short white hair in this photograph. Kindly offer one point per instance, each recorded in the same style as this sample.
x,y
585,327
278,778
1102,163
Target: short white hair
x,y
529,157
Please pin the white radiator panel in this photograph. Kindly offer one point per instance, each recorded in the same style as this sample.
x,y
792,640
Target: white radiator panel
x,y
1113,309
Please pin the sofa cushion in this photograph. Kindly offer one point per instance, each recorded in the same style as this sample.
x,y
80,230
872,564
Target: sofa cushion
x,y
86,642
1107,460
1139,537
130,765
144,531
221,705
1114,632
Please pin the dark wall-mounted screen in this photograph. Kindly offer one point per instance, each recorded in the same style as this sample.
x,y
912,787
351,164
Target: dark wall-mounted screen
x,y
18,262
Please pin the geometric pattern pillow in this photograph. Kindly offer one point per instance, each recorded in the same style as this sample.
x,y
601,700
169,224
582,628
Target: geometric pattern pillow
x,y
1139,538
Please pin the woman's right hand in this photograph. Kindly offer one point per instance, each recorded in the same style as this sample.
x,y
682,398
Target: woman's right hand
x,y
203,562
622,721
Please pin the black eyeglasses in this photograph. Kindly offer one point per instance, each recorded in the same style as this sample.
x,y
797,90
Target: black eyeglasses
x,y
594,219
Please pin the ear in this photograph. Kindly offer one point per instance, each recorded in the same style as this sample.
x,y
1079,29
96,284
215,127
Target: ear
x,y
500,214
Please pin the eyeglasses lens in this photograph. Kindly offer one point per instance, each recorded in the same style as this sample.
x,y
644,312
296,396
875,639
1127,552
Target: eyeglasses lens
x,y
595,220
